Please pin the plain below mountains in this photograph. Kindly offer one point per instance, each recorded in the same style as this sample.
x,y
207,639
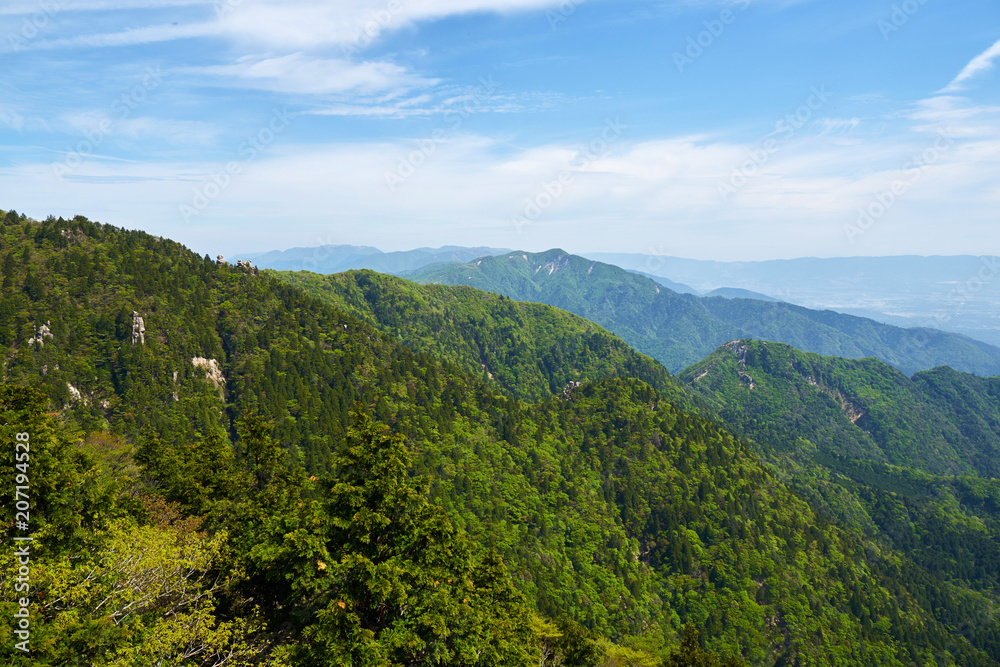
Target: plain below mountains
x,y
679,330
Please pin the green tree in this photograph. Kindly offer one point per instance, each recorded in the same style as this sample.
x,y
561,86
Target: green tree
x,y
578,646
691,654
401,585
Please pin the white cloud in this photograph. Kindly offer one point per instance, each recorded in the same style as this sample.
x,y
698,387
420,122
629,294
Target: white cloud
x,y
115,130
300,24
278,24
981,63
146,35
303,74
653,193
442,101
178,132
31,7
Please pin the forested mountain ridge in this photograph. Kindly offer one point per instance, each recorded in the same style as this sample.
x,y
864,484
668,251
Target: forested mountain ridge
x,y
940,421
679,330
612,508
530,350
911,462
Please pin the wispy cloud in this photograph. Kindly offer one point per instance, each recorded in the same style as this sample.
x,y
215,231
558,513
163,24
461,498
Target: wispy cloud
x,y
309,24
277,24
299,73
11,118
443,101
966,118
981,63
146,35
30,7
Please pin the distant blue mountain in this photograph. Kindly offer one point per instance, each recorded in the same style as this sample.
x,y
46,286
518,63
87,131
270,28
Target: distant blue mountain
x,y
737,293
680,288
337,258
320,259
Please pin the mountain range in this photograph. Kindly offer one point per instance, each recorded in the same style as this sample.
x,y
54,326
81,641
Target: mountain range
x,y
960,294
336,258
678,330
295,469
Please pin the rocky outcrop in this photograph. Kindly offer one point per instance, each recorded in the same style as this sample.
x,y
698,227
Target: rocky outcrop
x,y
138,329
212,372
560,262
246,265
41,333
570,389
740,348
74,236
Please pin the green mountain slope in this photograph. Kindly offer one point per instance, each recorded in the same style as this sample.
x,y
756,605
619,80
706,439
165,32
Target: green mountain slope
x,y
864,408
912,463
972,405
680,330
611,506
529,350
653,319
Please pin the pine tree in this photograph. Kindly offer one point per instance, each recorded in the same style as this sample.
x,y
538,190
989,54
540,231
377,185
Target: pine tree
x,y
402,585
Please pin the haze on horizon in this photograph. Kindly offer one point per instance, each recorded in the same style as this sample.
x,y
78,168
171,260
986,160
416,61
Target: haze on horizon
x,y
743,130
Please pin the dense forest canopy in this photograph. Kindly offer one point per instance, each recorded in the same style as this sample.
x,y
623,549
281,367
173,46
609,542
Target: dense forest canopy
x,y
230,469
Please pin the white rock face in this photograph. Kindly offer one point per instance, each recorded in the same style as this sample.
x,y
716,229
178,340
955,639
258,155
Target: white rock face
x,y
138,329
212,371
41,333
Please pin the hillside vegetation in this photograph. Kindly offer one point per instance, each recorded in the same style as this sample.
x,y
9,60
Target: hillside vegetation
x,y
528,349
249,474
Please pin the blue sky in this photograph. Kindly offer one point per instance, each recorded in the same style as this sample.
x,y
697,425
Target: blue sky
x,y
713,130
